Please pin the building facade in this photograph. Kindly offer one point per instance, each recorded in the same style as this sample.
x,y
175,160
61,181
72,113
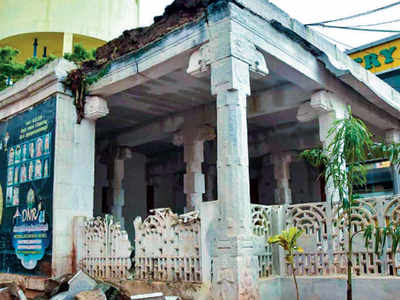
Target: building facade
x,y
42,28
190,141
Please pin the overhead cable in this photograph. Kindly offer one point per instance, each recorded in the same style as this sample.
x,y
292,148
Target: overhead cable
x,y
377,24
356,15
359,29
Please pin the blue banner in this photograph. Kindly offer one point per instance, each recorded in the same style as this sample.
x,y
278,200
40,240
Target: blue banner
x,y
26,190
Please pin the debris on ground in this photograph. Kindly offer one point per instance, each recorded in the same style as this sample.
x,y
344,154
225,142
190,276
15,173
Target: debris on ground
x,y
10,290
91,295
79,286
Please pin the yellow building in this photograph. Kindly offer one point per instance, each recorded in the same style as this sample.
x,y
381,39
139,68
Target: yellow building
x,y
381,57
45,27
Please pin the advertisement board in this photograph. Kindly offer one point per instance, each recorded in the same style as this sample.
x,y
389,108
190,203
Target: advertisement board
x,y
26,190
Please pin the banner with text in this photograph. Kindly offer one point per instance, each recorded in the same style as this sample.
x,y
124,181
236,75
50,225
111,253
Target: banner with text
x,y
26,190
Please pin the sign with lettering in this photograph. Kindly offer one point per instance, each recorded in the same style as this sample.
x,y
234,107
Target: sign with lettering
x,y
380,58
26,190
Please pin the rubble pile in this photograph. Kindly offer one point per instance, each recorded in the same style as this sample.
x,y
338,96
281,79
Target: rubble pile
x,y
74,287
177,14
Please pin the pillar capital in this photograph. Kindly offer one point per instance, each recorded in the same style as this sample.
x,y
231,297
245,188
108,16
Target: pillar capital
x,y
115,152
200,60
95,108
321,103
189,135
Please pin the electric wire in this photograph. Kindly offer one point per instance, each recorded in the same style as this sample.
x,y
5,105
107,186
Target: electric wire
x,y
360,29
377,24
352,47
356,15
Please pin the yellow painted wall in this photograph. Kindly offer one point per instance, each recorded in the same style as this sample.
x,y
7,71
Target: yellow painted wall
x,y
374,59
92,23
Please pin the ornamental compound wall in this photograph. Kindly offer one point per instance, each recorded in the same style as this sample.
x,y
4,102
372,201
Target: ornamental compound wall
x,y
175,248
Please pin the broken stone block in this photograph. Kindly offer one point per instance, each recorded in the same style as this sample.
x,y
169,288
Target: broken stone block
x,y
81,282
91,295
63,296
5,294
13,289
57,285
153,296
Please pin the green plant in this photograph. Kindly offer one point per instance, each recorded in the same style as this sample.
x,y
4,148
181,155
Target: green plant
x,y
80,54
78,81
288,241
12,71
344,161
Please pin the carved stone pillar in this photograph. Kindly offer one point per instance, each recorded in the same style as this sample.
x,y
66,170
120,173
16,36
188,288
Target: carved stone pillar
x,y
393,136
193,140
235,265
328,108
115,157
283,193
232,59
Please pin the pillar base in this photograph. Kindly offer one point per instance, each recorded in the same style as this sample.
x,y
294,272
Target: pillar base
x,y
236,270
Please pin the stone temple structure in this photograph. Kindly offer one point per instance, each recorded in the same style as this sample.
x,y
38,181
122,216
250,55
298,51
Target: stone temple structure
x,y
190,139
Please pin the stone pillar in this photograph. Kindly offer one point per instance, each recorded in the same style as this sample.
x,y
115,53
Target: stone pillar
x,y
231,59
116,174
235,265
282,193
73,175
328,108
393,136
211,178
193,143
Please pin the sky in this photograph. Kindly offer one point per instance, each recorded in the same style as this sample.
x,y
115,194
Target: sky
x,y
310,11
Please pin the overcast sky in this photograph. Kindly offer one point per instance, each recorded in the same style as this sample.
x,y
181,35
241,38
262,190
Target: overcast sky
x,y
310,11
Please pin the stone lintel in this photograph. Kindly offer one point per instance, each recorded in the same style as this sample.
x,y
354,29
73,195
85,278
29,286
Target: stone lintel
x,y
200,60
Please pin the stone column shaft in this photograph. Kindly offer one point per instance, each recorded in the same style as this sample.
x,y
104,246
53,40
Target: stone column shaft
x,y
329,109
233,161
194,183
283,193
116,156
117,190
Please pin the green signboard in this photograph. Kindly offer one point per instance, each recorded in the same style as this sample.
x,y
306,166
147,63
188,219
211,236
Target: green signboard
x,y
26,190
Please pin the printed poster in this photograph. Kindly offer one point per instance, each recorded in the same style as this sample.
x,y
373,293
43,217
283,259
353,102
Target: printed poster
x,y
26,190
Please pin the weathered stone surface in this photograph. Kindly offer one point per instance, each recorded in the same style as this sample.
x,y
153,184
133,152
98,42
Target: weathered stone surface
x,y
12,288
63,296
91,295
81,282
58,285
5,294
